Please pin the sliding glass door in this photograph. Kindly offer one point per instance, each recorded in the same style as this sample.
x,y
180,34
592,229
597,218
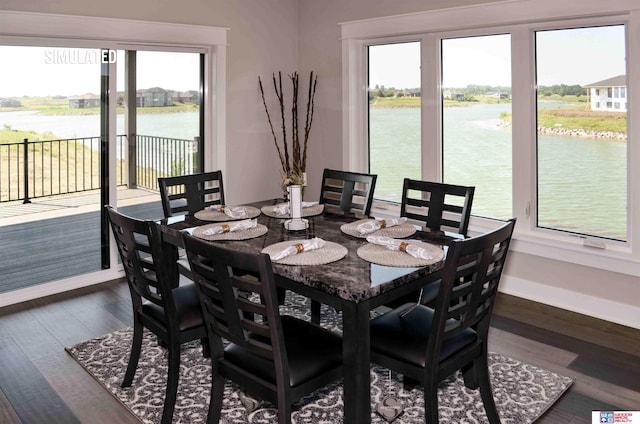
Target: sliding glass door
x,y
160,123
56,150
50,164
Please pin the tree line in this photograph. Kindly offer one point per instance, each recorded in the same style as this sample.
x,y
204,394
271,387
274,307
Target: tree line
x,y
474,89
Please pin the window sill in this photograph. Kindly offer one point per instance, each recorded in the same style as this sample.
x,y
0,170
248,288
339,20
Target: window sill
x,y
610,255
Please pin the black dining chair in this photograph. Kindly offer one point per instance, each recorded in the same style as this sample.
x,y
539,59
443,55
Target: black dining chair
x,y
442,209
429,344
275,357
188,194
161,304
438,206
350,192
346,192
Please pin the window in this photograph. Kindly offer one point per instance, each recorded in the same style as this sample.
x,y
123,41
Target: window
x,y
558,64
476,130
394,116
572,169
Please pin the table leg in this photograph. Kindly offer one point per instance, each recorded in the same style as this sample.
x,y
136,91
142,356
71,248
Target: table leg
x,y
356,357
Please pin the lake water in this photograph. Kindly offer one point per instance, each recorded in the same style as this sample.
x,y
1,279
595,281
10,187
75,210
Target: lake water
x,y
173,125
582,181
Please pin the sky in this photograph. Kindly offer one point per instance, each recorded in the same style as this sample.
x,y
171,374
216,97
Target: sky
x,y
574,56
39,71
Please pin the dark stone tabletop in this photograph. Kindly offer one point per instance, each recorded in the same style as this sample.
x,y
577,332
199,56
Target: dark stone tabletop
x,y
350,278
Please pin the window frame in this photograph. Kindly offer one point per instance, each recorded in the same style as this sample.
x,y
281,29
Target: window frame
x,y
521,21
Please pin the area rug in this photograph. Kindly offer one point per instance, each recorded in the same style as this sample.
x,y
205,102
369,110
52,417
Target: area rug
x,y
523,392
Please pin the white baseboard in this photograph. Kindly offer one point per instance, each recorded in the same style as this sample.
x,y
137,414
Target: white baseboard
x,y
56,287
607,310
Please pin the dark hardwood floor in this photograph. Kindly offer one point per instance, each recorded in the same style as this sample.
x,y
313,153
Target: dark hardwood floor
x,y
40,383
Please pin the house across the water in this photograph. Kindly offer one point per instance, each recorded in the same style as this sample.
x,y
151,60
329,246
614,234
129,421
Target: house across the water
x,y
609,95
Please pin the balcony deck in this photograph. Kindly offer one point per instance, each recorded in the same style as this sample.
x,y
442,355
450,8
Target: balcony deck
x,y
58,237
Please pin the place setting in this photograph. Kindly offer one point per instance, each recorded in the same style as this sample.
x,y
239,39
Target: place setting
x,y
315,251
388,251
235,230
217,213
390,227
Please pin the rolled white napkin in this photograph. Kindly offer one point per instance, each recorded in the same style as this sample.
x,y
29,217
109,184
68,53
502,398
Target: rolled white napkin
x,y
372,225
232,212
283,208
400,245
303,246
245,224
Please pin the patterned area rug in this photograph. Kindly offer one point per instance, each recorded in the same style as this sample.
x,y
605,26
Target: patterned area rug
x,y
522,392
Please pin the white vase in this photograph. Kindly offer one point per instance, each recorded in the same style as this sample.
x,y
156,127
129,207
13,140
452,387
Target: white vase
x,y
296,223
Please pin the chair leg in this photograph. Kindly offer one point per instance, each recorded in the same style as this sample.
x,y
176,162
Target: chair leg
x,y
470,376
431,402
173,376
206,350
215,401
315,312
134,356
284,410
409,383
482,372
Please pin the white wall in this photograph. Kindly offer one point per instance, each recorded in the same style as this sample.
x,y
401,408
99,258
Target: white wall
x,y
271,35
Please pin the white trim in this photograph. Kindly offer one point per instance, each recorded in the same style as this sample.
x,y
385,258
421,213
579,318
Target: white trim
x,y
482,15
56,287
620,313
94,28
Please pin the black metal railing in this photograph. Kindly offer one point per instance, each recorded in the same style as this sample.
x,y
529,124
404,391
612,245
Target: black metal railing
x,y
32,169
164,157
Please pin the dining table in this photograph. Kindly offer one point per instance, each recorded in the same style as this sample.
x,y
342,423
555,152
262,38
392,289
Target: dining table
x,y
351,284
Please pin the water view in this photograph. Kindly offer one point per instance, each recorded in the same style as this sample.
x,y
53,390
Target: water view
x,y
182,125
596,165
478,153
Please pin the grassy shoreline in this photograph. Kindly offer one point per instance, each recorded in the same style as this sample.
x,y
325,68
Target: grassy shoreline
x,y
60,106
576,118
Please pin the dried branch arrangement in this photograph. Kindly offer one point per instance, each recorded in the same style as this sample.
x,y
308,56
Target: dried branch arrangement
x,y
293,154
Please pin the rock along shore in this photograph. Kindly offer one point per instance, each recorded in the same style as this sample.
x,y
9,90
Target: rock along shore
x,y
566,132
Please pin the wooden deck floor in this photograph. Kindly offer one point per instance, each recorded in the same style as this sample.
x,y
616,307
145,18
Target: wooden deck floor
x,y
59,237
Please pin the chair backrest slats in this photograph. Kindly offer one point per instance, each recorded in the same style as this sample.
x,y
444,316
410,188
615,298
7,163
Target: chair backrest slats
x,y
149,262
239,292
438,205
348,191
469,284
188,194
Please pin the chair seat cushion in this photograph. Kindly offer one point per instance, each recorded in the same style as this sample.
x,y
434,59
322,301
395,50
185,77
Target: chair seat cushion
x,y
187,303
405,337
311,351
